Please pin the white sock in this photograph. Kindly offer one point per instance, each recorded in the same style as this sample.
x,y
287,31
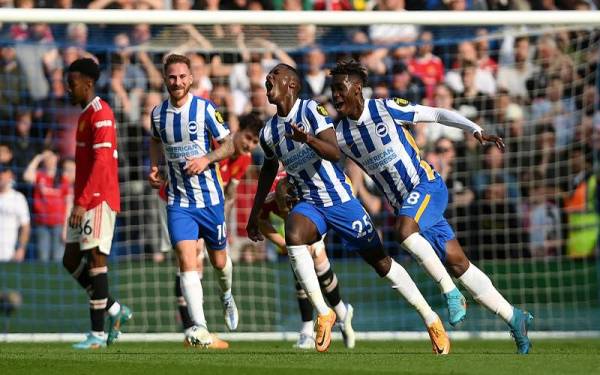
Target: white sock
x,y
402,282
304,268
114,309
98,334
308,327
341,311
483,291
224,277
421,249
191,288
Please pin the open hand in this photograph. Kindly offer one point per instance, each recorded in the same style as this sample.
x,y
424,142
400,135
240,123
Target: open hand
x,y
483,138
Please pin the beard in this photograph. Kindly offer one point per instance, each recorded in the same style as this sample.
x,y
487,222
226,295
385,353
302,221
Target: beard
x,y
179,92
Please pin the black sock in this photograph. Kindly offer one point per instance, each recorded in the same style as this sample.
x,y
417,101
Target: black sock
x,y
186,319
329,286
98,298
306,309
86,283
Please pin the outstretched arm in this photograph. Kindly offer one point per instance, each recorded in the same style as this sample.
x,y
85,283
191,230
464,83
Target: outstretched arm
x,y
455,120
265,180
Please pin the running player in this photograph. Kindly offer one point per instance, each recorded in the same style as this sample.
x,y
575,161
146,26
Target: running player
x,y
373,133
184,125
96,203
301,135
278,203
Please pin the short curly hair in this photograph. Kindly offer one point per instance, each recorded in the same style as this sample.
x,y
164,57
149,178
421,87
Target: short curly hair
x,y
351,67
87,67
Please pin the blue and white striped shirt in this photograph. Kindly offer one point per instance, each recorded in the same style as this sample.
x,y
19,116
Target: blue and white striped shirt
x,y
380,144
187,132
317,181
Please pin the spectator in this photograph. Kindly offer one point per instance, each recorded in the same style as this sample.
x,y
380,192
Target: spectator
x,y
126,81
6,155
483,80
494,167
405,85
470,94
443,97
392,34
315,80
580,206
427,66
25,146
202,85
545,239
14,226
50,194
13,87
499,233
37,55
514,77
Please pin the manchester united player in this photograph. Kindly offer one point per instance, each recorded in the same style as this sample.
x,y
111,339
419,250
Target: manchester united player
x,y
96,203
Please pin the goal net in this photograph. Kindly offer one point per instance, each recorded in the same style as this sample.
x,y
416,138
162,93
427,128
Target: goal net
x,y
528,217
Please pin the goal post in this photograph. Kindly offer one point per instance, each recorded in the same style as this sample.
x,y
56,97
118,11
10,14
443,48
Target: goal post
x,y
519,215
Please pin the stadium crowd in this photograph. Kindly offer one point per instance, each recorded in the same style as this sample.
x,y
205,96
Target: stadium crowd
x,y
536,88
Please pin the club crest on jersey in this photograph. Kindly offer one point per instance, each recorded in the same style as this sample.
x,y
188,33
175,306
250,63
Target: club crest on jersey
x,y
81,126
381,130
193,127
219,117
401,102
322,111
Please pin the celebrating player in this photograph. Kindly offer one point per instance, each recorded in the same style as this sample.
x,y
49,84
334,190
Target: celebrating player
x,y
232,169
96,203
184,125
301,135
278,203
373,134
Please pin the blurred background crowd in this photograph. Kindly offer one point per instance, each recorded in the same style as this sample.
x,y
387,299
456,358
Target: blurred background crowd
x,y
538,88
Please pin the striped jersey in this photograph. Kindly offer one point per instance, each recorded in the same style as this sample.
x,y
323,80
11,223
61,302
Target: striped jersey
x,y
187,132
381,145
317,181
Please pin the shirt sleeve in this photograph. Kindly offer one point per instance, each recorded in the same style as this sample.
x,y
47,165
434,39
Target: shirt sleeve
x,y
154,125
215,122
317,117
269,154
401,109
445,117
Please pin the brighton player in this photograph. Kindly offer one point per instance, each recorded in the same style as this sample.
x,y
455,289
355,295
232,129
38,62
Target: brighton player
x,y
301,135
184,126
96,203
278,203
373,133
232,170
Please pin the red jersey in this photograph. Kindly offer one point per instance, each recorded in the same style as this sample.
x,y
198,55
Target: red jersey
x,y
431,71
96,174
49,201
234,169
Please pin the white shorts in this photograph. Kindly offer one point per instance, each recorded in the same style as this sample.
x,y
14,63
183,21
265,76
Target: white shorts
x,y
164,243
96,229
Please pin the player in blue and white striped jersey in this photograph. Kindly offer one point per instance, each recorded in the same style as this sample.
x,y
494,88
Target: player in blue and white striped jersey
x,y
184,126
302,137
374,133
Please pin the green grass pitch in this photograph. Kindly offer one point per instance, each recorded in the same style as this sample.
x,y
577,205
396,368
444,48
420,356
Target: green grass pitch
x,y
397,357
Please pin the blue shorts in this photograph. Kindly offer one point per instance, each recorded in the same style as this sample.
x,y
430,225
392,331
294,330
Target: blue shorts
x,y
194,223
426,204
349,220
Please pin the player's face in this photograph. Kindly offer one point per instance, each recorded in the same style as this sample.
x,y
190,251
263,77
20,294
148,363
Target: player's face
x,y
178,79
77,86
277,84
344,93
245,141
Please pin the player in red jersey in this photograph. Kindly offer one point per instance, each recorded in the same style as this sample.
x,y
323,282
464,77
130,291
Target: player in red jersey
x,y
278,203
231,170
96,203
